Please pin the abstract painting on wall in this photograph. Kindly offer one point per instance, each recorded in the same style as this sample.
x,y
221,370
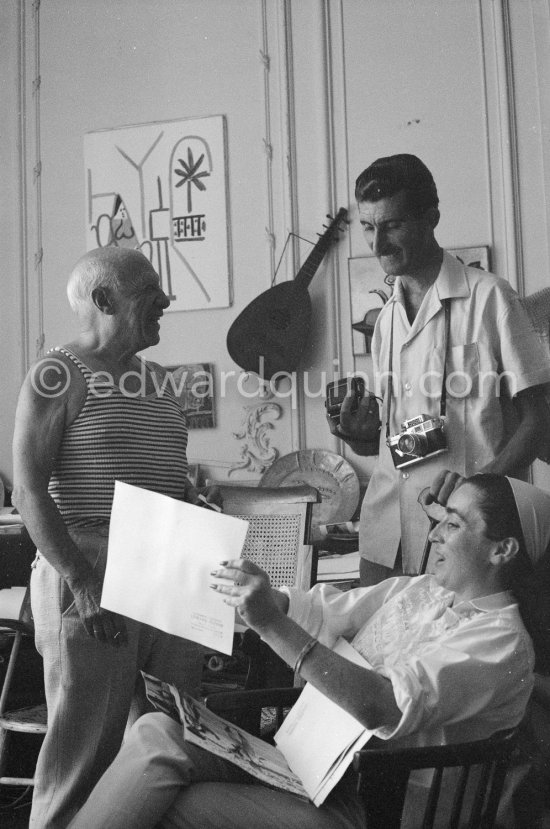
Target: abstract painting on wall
x,y
162,188
193,385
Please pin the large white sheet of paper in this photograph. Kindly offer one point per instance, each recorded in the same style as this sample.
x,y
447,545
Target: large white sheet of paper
x,y
160,557
318,738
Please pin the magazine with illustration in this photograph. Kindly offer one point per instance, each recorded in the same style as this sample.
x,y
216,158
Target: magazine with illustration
x,y
314,746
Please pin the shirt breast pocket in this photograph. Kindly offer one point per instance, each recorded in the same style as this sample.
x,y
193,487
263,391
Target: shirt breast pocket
x,y
464,370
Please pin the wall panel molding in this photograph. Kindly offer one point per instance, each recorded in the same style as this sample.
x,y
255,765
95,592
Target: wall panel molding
x,y
340,190
275,55
502,150
30,195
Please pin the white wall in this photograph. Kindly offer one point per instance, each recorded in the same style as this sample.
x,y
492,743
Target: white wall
x,y
348,81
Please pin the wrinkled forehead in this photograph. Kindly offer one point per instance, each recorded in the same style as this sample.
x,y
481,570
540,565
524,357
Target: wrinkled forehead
x,y
386,208
137,273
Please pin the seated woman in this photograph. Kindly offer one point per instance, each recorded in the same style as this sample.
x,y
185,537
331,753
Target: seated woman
x,y
451,661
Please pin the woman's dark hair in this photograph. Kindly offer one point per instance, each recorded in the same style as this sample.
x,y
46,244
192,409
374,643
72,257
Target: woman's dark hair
x,y
390,175
530,583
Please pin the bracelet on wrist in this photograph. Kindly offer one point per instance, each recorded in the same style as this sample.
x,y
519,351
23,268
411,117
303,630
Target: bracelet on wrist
x,y
303,653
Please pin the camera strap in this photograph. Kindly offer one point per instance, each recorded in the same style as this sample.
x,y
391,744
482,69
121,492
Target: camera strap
x,y
443,396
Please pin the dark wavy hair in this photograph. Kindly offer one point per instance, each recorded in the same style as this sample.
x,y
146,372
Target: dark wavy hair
x,y
529,582
394,173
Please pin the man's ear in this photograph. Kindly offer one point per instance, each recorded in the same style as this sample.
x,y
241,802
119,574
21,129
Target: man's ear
x,y
101,297
505,550
432,216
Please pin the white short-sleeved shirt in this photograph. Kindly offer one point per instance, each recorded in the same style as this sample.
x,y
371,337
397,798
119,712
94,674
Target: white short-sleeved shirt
x,y
459,672
493,353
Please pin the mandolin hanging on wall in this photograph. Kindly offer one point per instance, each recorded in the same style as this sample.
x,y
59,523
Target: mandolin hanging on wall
x,y
270,334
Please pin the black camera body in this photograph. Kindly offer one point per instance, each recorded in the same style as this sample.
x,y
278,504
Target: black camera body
x,y
337,390
421,437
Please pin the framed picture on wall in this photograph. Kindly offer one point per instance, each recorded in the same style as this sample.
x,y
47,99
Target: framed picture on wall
x,y
370,289
473,257
161,188
193,385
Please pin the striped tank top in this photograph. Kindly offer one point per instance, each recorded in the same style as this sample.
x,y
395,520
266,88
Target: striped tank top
x,y
141,440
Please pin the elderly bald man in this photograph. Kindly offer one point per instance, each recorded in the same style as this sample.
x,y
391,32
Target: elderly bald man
x,y
90,412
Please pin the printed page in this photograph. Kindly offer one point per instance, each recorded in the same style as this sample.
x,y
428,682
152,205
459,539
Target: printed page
x,y
209,731
317,732
339,767
160,556
163,696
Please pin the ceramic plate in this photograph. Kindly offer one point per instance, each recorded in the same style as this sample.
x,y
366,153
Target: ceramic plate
x,y
328,472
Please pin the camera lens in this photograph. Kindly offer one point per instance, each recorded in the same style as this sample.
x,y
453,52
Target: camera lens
x,y
412,444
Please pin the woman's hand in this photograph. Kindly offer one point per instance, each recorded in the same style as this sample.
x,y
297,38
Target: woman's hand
x,y
247,587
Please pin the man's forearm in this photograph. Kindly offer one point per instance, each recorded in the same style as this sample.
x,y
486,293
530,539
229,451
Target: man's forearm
x,y
526,442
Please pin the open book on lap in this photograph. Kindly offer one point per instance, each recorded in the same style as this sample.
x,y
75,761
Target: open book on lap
x,y
209,731
315,744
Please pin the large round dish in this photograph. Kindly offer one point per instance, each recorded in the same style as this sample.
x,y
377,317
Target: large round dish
x,y
328,472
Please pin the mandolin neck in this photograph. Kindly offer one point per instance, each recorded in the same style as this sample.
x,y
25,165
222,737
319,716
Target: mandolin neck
x,y
310,266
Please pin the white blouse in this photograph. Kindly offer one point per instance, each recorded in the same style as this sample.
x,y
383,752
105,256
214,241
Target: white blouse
x,y
459,672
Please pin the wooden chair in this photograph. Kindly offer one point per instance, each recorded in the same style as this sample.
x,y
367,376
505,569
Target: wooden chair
x,y
278,537
383,773
29,720
481,766
278,541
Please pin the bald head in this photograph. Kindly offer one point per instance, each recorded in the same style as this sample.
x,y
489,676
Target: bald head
x,y
108,267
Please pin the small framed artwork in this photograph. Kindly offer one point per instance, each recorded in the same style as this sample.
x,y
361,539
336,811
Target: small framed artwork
x,y
473,257
193,385
370,289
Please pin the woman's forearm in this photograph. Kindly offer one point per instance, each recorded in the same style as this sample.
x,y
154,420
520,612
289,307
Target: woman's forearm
x,y
362,692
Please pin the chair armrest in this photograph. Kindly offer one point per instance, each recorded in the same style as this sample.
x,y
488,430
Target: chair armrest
x,y
256,698
244,708
17,625
498,747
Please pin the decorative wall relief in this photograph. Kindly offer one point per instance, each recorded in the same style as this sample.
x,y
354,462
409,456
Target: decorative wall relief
x,y
256,453
161,188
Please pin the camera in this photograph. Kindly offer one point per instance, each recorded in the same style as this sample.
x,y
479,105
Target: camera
x,y
336,392
420,437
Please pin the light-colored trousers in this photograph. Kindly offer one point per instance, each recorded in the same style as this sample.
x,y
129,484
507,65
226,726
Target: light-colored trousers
x,y
89,688
159,780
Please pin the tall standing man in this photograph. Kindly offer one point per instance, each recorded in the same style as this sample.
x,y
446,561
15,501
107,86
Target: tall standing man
x,y
91,412
453,344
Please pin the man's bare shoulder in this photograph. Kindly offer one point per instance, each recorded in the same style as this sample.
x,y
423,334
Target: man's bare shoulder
x,y
54,381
